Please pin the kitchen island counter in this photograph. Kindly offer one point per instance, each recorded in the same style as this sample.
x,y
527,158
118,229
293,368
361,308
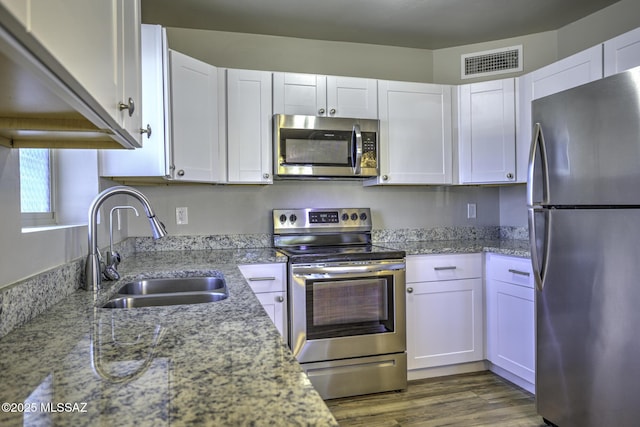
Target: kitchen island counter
x,y
218,364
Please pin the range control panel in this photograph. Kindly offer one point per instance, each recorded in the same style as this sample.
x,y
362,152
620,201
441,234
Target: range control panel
x,y
317,220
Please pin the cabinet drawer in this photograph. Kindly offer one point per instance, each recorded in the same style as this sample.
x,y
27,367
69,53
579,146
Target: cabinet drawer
x,y
265,277
510,269
428,268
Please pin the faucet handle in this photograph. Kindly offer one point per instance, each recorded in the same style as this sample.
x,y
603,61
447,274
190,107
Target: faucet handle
x,y
110,273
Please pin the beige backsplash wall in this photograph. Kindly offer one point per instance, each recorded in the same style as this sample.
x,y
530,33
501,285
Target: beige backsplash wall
x,y
237,209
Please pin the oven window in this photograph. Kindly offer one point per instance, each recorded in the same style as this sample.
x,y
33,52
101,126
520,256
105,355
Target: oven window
x,y
337,308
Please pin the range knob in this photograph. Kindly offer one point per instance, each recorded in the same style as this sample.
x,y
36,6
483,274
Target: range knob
x,y
354,216
283,218
293,218
345,216
363,216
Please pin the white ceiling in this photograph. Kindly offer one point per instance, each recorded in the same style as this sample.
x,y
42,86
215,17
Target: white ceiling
x,y
428,24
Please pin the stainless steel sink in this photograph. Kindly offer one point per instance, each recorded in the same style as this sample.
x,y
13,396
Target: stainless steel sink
x,y
173,285
169,291
165,299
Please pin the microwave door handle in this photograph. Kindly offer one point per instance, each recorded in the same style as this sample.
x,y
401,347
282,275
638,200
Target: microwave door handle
x,y
356,147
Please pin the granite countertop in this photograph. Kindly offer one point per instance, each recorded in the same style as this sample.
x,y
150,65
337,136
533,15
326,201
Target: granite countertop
x,y
519,248
221,363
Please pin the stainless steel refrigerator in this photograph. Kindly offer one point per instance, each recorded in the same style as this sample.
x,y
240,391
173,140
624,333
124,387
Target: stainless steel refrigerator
x,y
584,223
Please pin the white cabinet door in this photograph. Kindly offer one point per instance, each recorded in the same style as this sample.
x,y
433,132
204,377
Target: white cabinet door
x,y
444,310
622,53
324,96
268,282
83,36
444,323
415,133
129,67
352,97
575,70
194,119
18,8
249,124
275,304
487,132
154,158
511,315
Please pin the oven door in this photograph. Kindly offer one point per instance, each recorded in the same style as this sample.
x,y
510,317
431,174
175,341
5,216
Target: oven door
x,y
347,309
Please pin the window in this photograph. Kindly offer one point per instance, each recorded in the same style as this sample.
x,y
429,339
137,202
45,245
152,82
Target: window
x,y
36,187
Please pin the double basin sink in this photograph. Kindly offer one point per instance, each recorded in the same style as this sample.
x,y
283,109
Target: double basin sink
x,y
169,291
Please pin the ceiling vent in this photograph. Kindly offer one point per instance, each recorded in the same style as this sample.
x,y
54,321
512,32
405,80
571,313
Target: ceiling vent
x,y
491,62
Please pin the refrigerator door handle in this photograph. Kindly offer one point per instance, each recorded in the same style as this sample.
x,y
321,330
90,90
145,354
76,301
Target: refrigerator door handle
x,y
539,252
538,171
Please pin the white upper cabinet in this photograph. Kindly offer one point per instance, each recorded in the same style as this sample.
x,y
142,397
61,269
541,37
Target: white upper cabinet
x,y
249,124
622,53
181,106
80,61
415,133
130,77
578,69
487,132
194,119
154,158
325,96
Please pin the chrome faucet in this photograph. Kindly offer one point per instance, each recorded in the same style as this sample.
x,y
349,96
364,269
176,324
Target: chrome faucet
x,y
93,269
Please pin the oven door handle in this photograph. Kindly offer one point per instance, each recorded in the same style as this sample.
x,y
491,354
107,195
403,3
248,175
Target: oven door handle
x,y
355,269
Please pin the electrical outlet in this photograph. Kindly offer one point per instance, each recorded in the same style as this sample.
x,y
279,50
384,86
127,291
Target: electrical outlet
x,y
471,210
182,216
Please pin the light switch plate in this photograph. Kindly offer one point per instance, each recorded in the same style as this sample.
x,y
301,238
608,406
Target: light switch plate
x,y
471,210
182,216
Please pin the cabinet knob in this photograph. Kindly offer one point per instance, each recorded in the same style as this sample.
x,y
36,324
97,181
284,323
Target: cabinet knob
x,y
130,106
321,111
147,131
181,172
332,111
409,290
279,298
509,175
385,177
266,176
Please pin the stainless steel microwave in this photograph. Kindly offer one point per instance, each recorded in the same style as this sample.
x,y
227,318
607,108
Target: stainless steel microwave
x,y
324,147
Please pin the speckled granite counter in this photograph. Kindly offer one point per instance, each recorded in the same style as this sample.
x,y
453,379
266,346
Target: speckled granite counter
x,y
511,247
216,364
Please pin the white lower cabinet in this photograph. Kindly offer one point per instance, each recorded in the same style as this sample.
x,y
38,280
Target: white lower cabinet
x,y
445,320
511,318
268,282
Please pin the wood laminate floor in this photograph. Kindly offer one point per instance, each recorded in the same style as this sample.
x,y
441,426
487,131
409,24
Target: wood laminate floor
x,y
477,399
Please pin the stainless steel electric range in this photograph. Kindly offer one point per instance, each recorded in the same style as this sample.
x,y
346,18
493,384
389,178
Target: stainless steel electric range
x,y
346,301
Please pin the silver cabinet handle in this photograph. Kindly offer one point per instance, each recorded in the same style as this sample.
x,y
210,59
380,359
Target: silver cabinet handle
x,y
332,111
409,290
181,172
130,106
266,175
385,177
261,279
147,131
279,298
509,175
521,273
321,111
450,267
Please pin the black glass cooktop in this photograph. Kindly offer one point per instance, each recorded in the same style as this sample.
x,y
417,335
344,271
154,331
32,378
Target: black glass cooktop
x,y
340,253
